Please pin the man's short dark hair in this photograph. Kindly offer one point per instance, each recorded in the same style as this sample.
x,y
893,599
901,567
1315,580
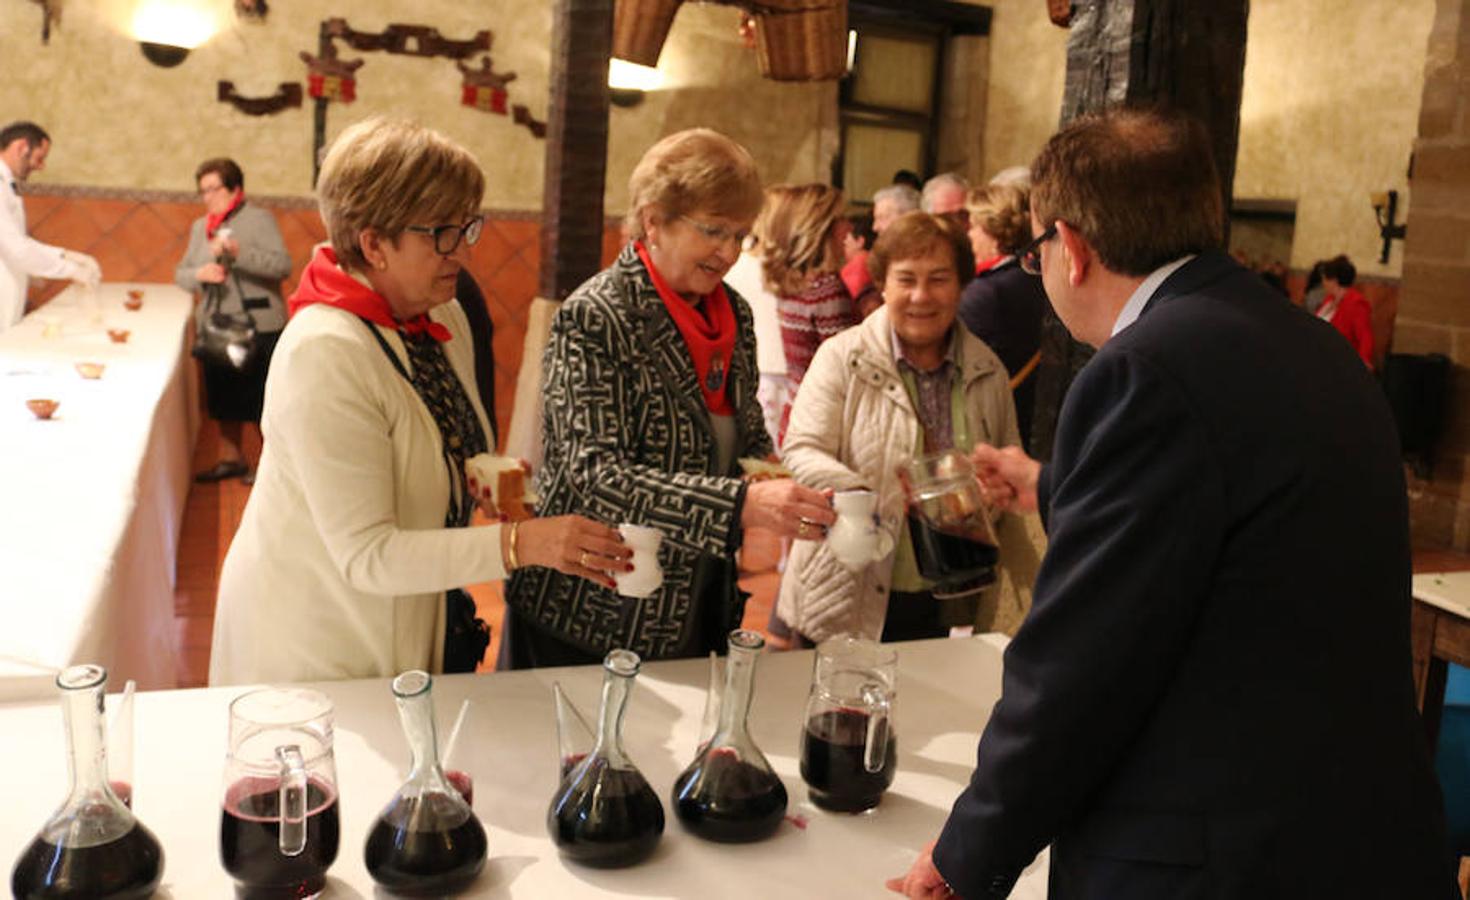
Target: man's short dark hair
x,y
34,135
908,177
1340,269
227,169
1139,185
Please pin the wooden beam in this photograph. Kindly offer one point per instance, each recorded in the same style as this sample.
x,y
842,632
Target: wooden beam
x,y
1180,54
576,145
956,18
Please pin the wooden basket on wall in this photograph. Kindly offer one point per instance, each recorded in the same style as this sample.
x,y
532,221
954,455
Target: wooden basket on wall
x,y
640,28
802,40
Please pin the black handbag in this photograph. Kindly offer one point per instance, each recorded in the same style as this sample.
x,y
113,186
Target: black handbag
x,y
466,636
225,339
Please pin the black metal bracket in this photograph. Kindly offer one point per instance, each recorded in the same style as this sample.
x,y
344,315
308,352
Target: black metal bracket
x,y
1386,208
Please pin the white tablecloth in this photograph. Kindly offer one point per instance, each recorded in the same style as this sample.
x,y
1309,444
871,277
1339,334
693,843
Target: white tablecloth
x,y
93,498
1449,591
945,691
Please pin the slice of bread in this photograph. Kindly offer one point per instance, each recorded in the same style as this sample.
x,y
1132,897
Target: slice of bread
x,y
504,481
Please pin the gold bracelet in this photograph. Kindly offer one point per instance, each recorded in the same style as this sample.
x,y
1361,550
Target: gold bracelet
x,y
512,559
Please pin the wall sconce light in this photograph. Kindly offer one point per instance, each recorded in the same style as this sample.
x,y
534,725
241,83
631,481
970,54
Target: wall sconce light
x,y
1385,209
166,30
163,55
628,82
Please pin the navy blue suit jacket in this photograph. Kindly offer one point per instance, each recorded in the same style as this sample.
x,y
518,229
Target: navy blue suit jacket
x,y
1212,695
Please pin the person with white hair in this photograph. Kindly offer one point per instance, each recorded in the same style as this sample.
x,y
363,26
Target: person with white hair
x,y
891,202
1016,176
944,194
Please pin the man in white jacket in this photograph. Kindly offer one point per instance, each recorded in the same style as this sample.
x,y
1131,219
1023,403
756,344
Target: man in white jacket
x,y
23,149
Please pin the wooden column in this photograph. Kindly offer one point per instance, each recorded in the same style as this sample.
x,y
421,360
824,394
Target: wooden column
x,y
1178,54
576,146
572,213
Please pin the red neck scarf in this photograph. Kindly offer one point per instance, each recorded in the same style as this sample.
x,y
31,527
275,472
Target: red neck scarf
x,y
212,222
709,334
323,281
985,265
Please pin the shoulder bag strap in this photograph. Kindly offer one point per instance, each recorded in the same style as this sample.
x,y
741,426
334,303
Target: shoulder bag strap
x,y
388,351
455,510
240,291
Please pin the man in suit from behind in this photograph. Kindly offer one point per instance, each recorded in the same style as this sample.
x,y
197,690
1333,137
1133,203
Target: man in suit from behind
x,y
1212,694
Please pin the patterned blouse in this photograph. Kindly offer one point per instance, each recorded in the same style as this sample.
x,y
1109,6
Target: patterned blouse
x,y
810,317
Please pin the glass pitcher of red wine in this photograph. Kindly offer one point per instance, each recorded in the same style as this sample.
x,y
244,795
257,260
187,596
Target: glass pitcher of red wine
x,y
729,793
950,525
93,847
604,814
848,748
280,828
426,842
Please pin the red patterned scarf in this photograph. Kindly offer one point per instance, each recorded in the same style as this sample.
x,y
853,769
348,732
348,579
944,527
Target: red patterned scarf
x,y
212,222
709,333
985,265
325,282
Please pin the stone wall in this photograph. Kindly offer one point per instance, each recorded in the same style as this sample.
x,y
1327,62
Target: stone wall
x,y
1434,310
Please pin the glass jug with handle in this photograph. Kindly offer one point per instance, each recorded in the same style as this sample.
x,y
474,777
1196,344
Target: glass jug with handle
x,y
280,827
849,750
949,524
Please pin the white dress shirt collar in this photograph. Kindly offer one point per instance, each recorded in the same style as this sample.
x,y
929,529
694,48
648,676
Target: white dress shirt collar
x,y
1134,307
7,178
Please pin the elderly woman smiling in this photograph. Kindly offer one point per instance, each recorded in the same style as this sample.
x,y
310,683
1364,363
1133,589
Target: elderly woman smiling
x,y
650,400
356,528
906,381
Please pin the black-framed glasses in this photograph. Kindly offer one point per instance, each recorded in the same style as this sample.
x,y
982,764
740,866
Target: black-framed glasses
x,y
447,237
719,234
1030,255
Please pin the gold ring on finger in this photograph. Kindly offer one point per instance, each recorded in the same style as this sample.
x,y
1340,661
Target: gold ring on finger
x,y
582,560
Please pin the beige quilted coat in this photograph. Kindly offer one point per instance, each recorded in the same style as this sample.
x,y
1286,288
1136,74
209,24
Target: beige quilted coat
x,y
851,426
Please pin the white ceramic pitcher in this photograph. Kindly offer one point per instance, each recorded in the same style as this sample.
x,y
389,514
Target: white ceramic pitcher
x,y
856,538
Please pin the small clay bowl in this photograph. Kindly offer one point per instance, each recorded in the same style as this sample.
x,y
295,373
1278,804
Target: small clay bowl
x,y
118,335
42,408
91,370
135,294
133,303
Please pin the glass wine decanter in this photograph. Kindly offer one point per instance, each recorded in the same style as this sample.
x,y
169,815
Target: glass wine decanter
x,y
604,813
729,793
426,841
93,847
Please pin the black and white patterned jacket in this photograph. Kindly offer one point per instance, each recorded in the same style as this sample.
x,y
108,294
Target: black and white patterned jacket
x,y
627,438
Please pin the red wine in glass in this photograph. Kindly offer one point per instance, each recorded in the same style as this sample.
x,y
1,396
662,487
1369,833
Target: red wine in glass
x,y
250,840
463,782
729,800
429,863
957,559
126,868
609,819
832,762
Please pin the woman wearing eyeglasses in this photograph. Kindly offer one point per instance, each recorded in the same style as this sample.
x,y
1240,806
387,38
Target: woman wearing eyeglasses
x,y
356,536
236,260
649,404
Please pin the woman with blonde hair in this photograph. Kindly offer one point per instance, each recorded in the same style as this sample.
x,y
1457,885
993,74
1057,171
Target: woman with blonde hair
x,y
354,542
1004,305
799,237
650,401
